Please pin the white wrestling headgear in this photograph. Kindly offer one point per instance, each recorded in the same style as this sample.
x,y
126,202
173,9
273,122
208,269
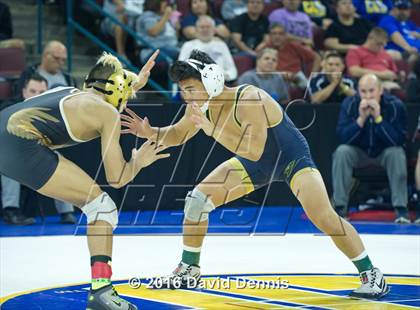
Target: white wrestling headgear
x,y
212,77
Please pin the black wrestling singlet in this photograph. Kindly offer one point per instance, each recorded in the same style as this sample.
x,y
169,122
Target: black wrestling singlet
x,y
28,132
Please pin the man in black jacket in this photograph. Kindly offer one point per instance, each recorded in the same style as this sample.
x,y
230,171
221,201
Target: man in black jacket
x,y
371,128
54,56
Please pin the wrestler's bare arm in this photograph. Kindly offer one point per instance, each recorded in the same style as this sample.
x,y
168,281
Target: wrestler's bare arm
x,y
180,132
118,171
172,135
250,142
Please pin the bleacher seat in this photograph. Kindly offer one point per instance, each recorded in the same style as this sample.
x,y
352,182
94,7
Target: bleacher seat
x,y
402,65
369,180
270,7
217,7
319,37
296,93
371,173
5,90
243,63
183,6
415,14
12,62
400,93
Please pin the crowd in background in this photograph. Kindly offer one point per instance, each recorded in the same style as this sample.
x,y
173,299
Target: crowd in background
x,y
371,36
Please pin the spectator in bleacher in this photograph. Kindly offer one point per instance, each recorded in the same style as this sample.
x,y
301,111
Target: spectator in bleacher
x,y
404,34
6,29
233,8
319,11
331,85
347,31
133,9
249,30
294,60
10,189
54,56
266,76
116,8
214,47
373,10
297,24
413,85
417,180
372,128
415,140
155,27
371,57
197,8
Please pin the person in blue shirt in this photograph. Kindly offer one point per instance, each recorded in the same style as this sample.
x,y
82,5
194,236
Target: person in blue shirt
x,y
404,34
373,10
371,128
331,85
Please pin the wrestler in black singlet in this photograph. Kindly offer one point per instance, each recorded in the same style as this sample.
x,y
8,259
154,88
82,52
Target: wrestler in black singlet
x,y
29,130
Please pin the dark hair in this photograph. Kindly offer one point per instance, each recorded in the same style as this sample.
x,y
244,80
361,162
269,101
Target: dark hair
x,y
99,72
181,70
332,53
209,7
35,77
152,5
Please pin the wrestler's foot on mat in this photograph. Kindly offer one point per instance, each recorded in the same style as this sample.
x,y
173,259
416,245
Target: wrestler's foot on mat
x,y
107,298
184,276
373,285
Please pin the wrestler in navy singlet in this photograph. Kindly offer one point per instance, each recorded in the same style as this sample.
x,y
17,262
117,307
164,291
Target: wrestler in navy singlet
x,y
286,152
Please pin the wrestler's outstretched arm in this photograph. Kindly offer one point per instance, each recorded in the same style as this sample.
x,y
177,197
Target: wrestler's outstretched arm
x,y
172,135
143,75
118,171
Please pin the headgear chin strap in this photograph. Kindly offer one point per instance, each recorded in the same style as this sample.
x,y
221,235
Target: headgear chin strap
x,y
212,78
117,90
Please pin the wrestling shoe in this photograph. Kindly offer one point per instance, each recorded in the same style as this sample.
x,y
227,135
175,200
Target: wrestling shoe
x,y
401,215
183,277
373,285
402,220
107,298
14,216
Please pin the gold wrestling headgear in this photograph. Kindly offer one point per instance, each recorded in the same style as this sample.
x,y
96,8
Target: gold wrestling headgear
x,y
109,78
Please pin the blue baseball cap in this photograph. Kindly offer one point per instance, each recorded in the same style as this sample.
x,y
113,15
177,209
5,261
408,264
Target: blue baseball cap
x,y
402,4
